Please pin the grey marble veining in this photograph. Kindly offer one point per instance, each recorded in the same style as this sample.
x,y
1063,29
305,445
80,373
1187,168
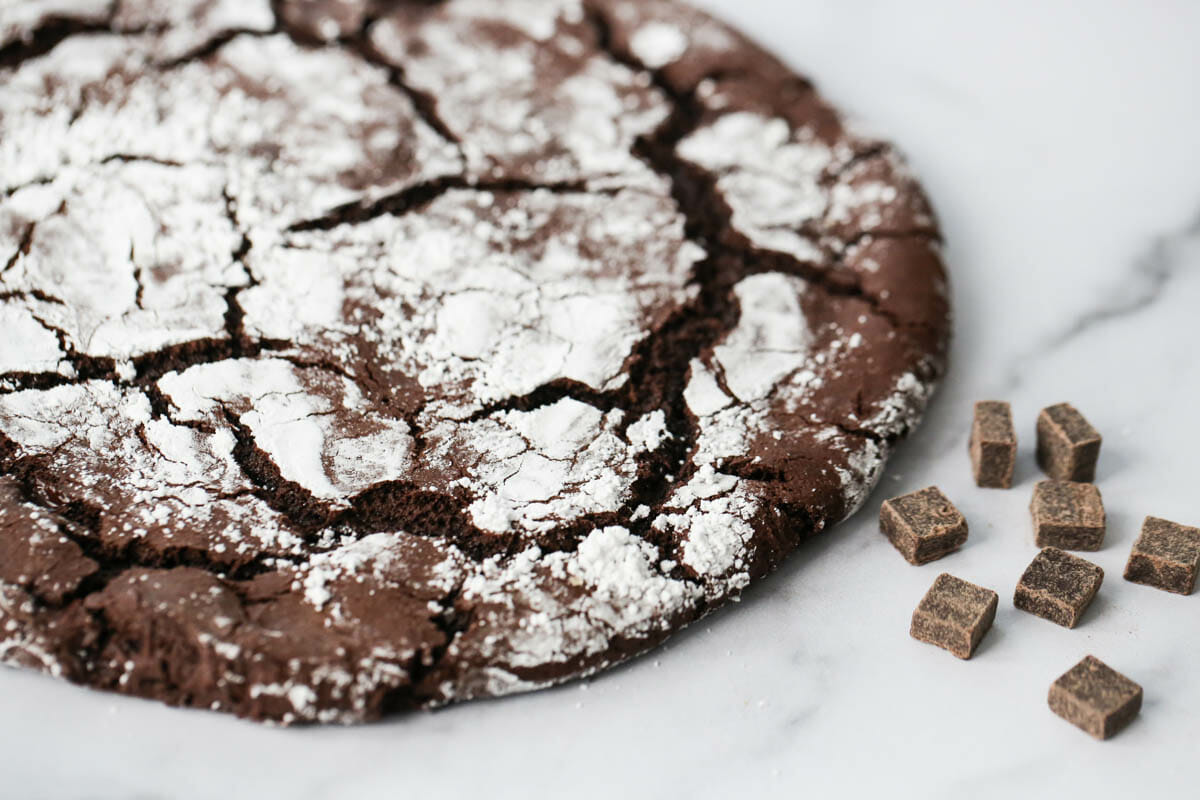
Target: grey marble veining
x,y
1150,276
1145,284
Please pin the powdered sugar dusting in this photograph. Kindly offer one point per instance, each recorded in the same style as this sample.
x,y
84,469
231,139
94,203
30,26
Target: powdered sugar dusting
x,y
771,339
649,432
902,408
18,17
864,466
318,438
625,590
769,174
581,125
534,469
658,44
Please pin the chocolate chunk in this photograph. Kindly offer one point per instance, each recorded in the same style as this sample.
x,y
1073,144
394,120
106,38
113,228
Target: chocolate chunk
x,y
993,445
1166,556
1058,586
954,615
1095,698
1067,445
1067,515
924,525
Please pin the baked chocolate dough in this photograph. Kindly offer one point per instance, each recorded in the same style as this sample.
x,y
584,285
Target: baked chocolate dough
x,y
371,356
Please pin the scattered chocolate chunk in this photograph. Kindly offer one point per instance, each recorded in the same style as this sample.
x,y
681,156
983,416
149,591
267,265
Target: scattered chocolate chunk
x,y
954,615
1068,515
1166,556
1095,698
924,525
1067,445
993,445
1058,586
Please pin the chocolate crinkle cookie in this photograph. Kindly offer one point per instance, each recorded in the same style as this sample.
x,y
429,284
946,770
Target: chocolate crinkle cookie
x,y
368,356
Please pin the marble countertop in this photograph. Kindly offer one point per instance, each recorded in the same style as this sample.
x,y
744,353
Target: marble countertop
x,y
1060,146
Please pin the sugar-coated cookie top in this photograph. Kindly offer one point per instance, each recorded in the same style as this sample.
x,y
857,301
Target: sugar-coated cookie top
x,y
383,355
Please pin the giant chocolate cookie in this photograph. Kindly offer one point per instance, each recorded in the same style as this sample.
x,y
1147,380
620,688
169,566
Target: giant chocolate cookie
x,y
362,356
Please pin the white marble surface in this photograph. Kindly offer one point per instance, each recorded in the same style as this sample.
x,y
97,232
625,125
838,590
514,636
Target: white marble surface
x,y
1061,144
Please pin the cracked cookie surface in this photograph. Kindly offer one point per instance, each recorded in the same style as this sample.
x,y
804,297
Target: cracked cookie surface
x,y
362,356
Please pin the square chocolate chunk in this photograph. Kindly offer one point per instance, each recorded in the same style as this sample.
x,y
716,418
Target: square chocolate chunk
x,y
1058,586
1095,698
993,445
954,615
1166,556
924,525
1067,515
1067,445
